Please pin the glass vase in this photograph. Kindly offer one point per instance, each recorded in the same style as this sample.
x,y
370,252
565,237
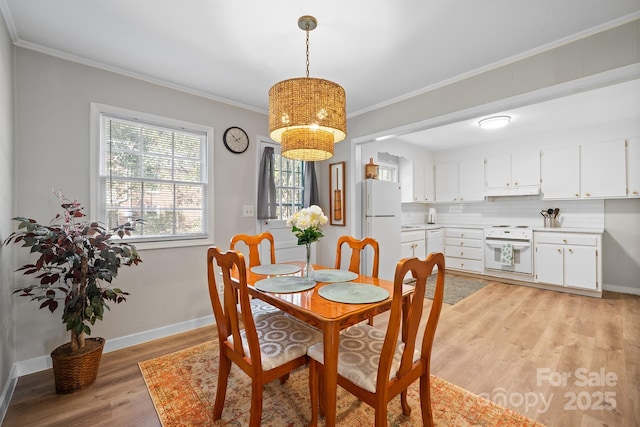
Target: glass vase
x,y
308,268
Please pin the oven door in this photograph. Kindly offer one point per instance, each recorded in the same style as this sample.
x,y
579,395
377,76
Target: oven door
x,y
522,256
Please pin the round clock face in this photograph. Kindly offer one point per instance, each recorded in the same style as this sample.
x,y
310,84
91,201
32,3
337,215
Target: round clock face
x,y
236,140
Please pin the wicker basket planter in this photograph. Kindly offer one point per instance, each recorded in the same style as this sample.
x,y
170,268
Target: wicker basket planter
x,y
75,371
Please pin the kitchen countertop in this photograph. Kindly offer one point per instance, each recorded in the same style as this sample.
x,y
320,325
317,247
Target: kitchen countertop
x,y
569,230
410,227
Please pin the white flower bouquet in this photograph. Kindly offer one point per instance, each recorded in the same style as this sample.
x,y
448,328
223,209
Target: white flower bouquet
x,y
305,224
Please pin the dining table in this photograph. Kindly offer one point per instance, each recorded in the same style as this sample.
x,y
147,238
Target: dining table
x,y
327,314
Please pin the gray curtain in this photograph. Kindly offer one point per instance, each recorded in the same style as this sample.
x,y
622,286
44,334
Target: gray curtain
x,y
266,186
311,196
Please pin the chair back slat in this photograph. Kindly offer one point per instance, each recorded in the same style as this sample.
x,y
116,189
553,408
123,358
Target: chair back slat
x,y
357,246
253,242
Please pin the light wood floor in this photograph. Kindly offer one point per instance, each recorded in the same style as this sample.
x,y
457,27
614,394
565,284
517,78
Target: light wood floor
x,y
505,342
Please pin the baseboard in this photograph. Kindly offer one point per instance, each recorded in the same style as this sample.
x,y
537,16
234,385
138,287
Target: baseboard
x,y
41,363
621,289
7,392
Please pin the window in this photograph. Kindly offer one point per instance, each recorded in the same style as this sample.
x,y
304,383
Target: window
x,y
387,172
289,178
155,169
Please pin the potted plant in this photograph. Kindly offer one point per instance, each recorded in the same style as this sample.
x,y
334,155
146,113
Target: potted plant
x,y
76,264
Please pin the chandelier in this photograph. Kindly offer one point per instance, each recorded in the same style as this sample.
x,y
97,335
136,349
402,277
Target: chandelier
x,y
307,115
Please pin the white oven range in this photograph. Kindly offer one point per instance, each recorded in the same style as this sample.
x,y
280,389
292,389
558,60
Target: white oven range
x,y
509,249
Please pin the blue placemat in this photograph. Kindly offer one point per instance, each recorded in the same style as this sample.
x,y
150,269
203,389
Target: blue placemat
x,y
330,275
275,269
353,293
284,284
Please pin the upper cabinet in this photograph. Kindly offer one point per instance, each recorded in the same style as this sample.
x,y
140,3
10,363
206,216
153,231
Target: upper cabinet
x,y
589,171
633,167
603,171
513,174
416,180
460,181
561,173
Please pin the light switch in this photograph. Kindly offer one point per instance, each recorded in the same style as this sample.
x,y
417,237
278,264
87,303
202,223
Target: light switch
x,y
247,210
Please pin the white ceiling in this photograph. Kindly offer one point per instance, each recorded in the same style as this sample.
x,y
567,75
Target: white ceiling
x,y
615,104
235,50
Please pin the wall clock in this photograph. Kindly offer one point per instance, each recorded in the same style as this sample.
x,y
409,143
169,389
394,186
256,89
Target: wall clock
x,y
236,140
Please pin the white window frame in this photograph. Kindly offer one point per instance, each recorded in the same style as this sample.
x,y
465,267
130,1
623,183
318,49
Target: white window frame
x,y
97,110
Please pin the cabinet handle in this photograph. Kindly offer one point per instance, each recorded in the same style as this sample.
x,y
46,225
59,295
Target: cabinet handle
x,y
570,251
559,251
508,184
564,240
635,193
588,194
461,253
461,243
515,183
577,195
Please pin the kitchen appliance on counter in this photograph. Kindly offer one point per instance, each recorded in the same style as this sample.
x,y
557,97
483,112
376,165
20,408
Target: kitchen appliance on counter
x,y
509,248
382,222
431,216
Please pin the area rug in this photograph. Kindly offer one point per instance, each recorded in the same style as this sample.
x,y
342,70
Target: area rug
x,y
456,288
182,386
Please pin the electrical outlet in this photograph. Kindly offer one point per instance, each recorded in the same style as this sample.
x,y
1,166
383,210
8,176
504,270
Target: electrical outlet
x,y
247,210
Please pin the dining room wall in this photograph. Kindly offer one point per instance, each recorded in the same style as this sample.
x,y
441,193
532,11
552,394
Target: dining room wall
x,y
53,97
7,332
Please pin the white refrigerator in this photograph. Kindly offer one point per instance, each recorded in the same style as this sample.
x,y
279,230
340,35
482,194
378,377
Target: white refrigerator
x,y
382,222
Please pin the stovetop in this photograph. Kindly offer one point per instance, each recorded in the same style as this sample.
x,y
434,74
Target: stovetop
x,y
509,232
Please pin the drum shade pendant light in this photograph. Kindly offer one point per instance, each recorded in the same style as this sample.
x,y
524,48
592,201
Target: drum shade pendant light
x,y
307,115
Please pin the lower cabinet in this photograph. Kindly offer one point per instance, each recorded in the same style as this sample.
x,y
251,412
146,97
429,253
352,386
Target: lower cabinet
x,y
463,249
570,260
412,244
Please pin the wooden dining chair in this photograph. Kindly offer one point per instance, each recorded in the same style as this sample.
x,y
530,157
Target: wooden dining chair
x,y
376,366
265,349
357,246
253,242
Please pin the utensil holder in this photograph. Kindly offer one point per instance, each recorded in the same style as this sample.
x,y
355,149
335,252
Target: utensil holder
x,y
549,222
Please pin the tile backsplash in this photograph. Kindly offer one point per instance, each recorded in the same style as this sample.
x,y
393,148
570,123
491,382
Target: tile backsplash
x,y
509,211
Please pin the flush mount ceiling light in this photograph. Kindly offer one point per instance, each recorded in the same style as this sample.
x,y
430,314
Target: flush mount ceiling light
x,y
307,115
494,122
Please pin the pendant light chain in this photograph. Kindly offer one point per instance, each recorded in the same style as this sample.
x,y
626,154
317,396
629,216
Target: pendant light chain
x,y
307,29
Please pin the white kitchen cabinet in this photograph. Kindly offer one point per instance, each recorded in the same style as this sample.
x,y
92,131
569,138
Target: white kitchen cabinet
x,y
460,181
412,244
589,171
411,180
470,184
517,173
633,167
561,173
603,169
568,259
446,182
429,181
463,249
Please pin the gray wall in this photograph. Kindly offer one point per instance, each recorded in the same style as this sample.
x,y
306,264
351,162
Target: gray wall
x,y
53,97
7,331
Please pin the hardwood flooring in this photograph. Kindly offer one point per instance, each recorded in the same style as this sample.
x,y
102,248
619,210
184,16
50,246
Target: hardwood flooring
x,y
509,343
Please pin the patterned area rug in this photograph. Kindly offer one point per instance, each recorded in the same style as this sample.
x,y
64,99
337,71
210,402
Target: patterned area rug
x,y
182,387
456,288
